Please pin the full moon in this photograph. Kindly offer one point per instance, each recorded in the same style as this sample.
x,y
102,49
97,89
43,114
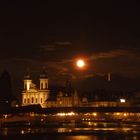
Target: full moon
x,y
80,63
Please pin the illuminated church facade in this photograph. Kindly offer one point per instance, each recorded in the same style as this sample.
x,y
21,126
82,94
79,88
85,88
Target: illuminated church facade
x,y
65,97
32,95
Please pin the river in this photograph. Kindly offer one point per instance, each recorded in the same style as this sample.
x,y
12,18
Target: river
x,y
87,131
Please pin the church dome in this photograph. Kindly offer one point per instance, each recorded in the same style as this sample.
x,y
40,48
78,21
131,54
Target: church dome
x,y
43,74
27,77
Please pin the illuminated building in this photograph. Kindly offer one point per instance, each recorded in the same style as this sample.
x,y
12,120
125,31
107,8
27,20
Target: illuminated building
x,y
63,100
109,77
68,97
31,94
65,97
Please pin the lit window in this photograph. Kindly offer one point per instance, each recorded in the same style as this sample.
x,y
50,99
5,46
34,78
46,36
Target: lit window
x,y
122,100
25,100
41,85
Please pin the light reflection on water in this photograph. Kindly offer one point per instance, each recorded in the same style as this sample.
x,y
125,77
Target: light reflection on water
x,y
82,137
7,131
92,137
93,131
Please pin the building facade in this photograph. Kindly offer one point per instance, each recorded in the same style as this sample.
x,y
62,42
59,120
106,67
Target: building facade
x,y
65,97
32,95
63,100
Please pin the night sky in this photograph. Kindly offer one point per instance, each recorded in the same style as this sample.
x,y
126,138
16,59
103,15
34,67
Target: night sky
x,y
52,35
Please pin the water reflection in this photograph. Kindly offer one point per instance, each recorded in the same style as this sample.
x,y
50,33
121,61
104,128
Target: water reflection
x,y
82,137
84,131
72,137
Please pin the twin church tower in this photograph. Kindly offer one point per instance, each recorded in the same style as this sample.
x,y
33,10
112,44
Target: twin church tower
x,y
33,95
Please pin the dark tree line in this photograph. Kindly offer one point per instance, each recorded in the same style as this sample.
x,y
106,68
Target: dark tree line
x,y
6,88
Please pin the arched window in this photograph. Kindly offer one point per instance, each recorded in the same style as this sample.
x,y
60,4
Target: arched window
x,y
41,85
25,86
32,100
24,100
46,85
28,100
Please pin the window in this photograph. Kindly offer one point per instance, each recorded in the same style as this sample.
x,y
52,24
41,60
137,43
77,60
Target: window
x,y
41,85
46,85
32,100
25,86
41,100
24,100
28,100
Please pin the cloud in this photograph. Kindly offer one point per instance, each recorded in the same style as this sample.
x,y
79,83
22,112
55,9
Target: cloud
x,y
56,46
124,61
56,66
63,43
114,54
48,48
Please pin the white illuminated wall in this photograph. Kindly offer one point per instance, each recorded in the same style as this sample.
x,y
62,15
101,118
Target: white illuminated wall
x,y
32,95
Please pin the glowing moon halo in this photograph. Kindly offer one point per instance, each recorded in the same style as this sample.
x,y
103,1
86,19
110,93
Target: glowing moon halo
x,y
80,63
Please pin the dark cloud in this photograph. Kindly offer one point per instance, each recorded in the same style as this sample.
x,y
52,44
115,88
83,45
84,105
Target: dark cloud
x,y
48,48
65,43
55,34
116,53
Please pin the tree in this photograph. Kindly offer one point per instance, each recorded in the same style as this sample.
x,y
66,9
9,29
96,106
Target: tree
x,y
6,87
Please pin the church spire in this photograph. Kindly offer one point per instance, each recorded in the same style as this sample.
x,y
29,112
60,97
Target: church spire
x,y
27,75
43,74
43,80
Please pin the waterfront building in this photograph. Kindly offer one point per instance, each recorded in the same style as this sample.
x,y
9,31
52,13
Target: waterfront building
x,y
67,97
31,94
64,97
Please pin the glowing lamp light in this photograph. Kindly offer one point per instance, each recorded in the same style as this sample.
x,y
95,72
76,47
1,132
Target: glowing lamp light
x,y
66,114
117,113
22,132
17,105
122,100
124,114
94,114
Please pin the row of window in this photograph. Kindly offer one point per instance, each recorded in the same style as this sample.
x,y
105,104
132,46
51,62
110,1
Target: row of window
x,y
42,86
33,100
25,86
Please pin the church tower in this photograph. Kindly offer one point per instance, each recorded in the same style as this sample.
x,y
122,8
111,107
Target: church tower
x,y
43,81
43,90
27,82
32,95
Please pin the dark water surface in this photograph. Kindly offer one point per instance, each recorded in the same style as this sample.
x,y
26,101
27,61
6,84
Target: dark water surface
x,y
94,131
71,137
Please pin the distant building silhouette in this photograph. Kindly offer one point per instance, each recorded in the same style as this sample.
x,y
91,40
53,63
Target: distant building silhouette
x,y
66,97
6,88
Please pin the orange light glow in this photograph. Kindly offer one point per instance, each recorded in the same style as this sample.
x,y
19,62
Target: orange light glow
x,y
80,63
94,114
